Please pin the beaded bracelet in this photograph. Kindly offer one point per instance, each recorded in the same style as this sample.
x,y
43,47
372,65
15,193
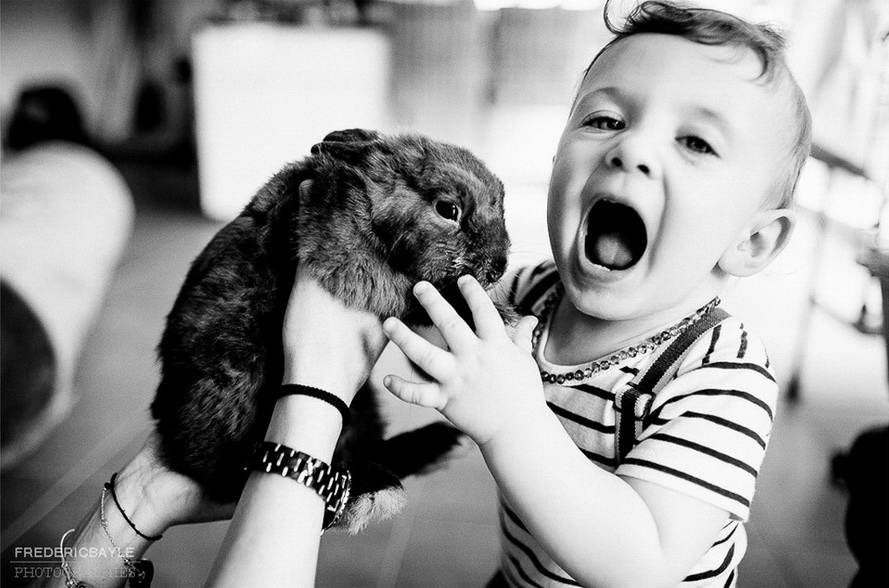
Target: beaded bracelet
x,y
140,571
71,580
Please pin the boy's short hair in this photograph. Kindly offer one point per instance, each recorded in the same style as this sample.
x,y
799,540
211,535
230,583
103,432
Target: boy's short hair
x,y
714,27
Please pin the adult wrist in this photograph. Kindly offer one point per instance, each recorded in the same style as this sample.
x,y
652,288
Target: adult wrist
x,y
147,498
331,483
155,497
320,394
306,424
339,368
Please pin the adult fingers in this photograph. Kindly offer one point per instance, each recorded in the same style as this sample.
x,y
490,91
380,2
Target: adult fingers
x,y
452,327
420,393
435,361
487,320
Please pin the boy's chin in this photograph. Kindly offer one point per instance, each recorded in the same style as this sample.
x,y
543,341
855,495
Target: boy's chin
x,y
605,304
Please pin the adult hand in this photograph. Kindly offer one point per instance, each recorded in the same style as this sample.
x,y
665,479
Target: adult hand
x,y
158,497
327,344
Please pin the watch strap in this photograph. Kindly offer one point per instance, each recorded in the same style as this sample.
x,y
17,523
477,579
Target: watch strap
x,y
332,484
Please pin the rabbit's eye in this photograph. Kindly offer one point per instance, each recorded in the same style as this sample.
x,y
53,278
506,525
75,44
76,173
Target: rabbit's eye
x,y
447,210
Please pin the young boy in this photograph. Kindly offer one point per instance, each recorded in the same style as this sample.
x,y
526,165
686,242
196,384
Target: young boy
x,y
673,174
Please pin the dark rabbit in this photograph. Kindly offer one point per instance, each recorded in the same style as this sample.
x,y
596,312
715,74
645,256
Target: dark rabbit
x,y
383,212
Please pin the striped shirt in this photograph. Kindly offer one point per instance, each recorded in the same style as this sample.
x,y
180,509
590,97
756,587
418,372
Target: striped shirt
x,y
705,434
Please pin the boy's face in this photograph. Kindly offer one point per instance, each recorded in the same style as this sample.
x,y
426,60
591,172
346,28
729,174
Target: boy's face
x,y
670,151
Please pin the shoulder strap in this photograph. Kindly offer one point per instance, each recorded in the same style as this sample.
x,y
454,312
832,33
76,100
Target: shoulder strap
x,y
664,367
632,403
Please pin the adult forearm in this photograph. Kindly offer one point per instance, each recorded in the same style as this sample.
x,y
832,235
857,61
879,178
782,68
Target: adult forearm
x,y
98,549
274,535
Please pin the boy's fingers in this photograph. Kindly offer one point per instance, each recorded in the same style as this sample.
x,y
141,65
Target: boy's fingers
x,y
422,394
452,327
487,320
434,361
523,333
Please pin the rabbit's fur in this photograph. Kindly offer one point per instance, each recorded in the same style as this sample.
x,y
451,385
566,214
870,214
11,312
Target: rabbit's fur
x,y
379,217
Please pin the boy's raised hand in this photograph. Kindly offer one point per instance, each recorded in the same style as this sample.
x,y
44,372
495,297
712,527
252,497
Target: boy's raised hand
x,y
485,379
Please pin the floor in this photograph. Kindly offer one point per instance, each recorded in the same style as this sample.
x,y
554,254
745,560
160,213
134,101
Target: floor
x,y
446,535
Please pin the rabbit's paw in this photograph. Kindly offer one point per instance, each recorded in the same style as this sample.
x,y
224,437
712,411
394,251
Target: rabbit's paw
x,y
371,507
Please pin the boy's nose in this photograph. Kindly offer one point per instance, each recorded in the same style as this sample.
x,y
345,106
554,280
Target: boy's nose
x,y
632,155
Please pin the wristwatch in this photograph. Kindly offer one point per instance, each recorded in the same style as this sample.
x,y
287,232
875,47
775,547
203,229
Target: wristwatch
x,y
331,483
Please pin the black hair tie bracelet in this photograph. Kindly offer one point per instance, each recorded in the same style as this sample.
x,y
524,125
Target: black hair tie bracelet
x,y
323,395
110,487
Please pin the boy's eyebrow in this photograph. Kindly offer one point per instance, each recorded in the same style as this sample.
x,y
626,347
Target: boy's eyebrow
x,y
608,91
714,118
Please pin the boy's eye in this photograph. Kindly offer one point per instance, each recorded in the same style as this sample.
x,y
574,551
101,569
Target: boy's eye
x,y
697,145
604,123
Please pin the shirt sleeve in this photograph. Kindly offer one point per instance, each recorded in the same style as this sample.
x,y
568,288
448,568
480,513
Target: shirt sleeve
x,y
707,431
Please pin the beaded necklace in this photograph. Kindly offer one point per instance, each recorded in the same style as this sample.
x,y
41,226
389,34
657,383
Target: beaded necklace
x,y
646,346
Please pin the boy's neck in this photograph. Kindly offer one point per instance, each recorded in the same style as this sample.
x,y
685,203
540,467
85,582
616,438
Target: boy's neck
x,y
575,337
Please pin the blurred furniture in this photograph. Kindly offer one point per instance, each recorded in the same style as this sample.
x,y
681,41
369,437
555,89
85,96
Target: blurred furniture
x,y
847,55
266,92
838,170
66,216
876,260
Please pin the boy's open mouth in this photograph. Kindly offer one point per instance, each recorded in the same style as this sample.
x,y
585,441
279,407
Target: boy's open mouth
x,y
616,237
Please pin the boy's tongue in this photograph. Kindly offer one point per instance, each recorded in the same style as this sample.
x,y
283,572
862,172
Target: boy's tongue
x,y
609,250
616,237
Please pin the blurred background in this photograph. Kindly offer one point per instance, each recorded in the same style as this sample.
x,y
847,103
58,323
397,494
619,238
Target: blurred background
x,y
133,130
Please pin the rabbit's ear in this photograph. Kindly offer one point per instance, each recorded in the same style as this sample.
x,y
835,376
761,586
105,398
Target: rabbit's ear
x,y
348,144
349,135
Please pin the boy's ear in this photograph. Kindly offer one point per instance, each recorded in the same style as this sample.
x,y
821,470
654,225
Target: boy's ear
x,y
759,244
